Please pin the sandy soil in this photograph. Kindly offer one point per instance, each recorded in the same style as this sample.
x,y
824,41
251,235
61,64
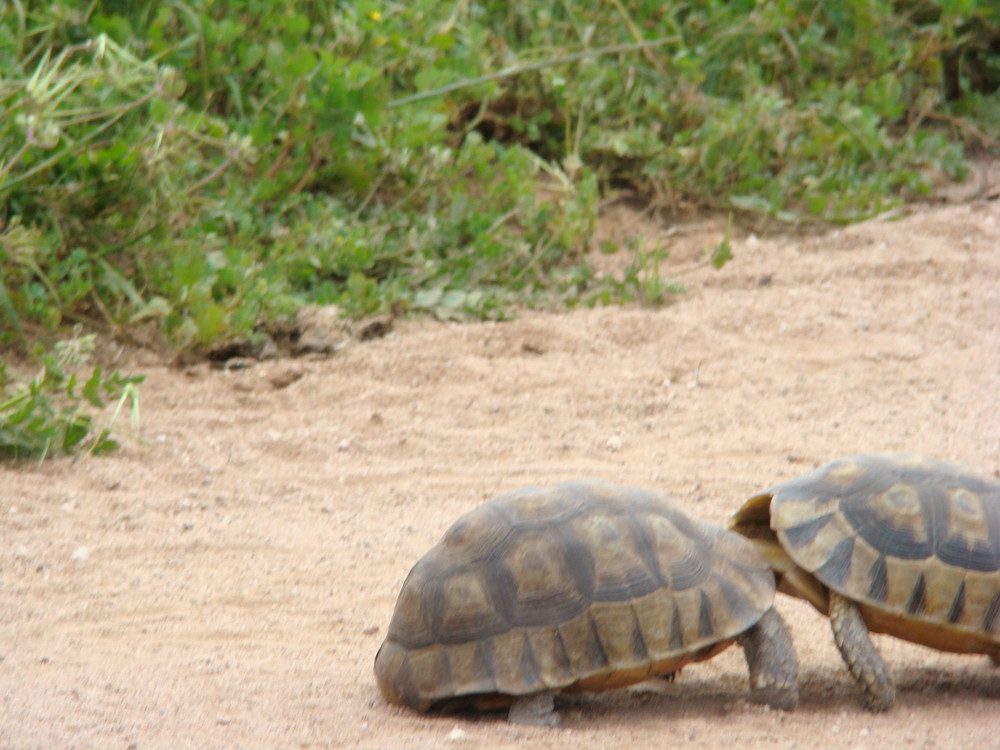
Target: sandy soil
x,y
226,581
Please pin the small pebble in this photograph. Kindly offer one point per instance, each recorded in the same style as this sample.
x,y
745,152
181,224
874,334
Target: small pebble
x,y
80,554
614,443
458,735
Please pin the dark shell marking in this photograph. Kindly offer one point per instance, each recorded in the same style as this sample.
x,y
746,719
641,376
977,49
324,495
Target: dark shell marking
x,y
583,585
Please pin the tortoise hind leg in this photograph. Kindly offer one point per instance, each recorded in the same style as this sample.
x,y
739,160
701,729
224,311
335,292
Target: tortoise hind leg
x,y
851,636
537,710
774,668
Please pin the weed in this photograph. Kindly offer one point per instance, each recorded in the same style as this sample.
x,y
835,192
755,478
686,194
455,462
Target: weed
x,y
212,166
57,413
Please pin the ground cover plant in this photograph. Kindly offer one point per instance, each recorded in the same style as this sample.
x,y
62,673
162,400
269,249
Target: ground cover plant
x,y
205,168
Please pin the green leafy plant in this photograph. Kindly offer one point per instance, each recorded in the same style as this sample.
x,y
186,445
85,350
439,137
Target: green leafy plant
x,y
212,166
56,412
209,167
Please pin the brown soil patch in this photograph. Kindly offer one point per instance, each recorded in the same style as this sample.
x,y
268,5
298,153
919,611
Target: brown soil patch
x,y
227,581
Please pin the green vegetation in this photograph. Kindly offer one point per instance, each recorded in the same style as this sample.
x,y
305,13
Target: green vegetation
x,y
55,412
208,167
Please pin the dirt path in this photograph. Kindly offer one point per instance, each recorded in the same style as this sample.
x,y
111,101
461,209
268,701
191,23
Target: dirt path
x,y
227,582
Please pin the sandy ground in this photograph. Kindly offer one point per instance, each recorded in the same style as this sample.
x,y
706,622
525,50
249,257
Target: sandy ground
x,y
226,581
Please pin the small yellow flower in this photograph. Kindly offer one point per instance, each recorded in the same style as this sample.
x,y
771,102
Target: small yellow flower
x,y
375,16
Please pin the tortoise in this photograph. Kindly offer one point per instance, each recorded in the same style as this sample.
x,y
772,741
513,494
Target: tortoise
x,y
888,543
578,586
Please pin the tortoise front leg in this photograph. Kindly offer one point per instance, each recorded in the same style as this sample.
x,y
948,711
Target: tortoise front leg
x,y
851,636
537,710
774,669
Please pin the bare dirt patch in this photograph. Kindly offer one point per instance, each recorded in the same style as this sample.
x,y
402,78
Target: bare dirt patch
x,y
226,582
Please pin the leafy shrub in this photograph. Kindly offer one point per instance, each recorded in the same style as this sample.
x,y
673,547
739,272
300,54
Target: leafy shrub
x,y
211,166
56,413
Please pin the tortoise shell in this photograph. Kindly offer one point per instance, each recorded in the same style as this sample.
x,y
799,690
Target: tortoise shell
x,y
914,541
579,586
